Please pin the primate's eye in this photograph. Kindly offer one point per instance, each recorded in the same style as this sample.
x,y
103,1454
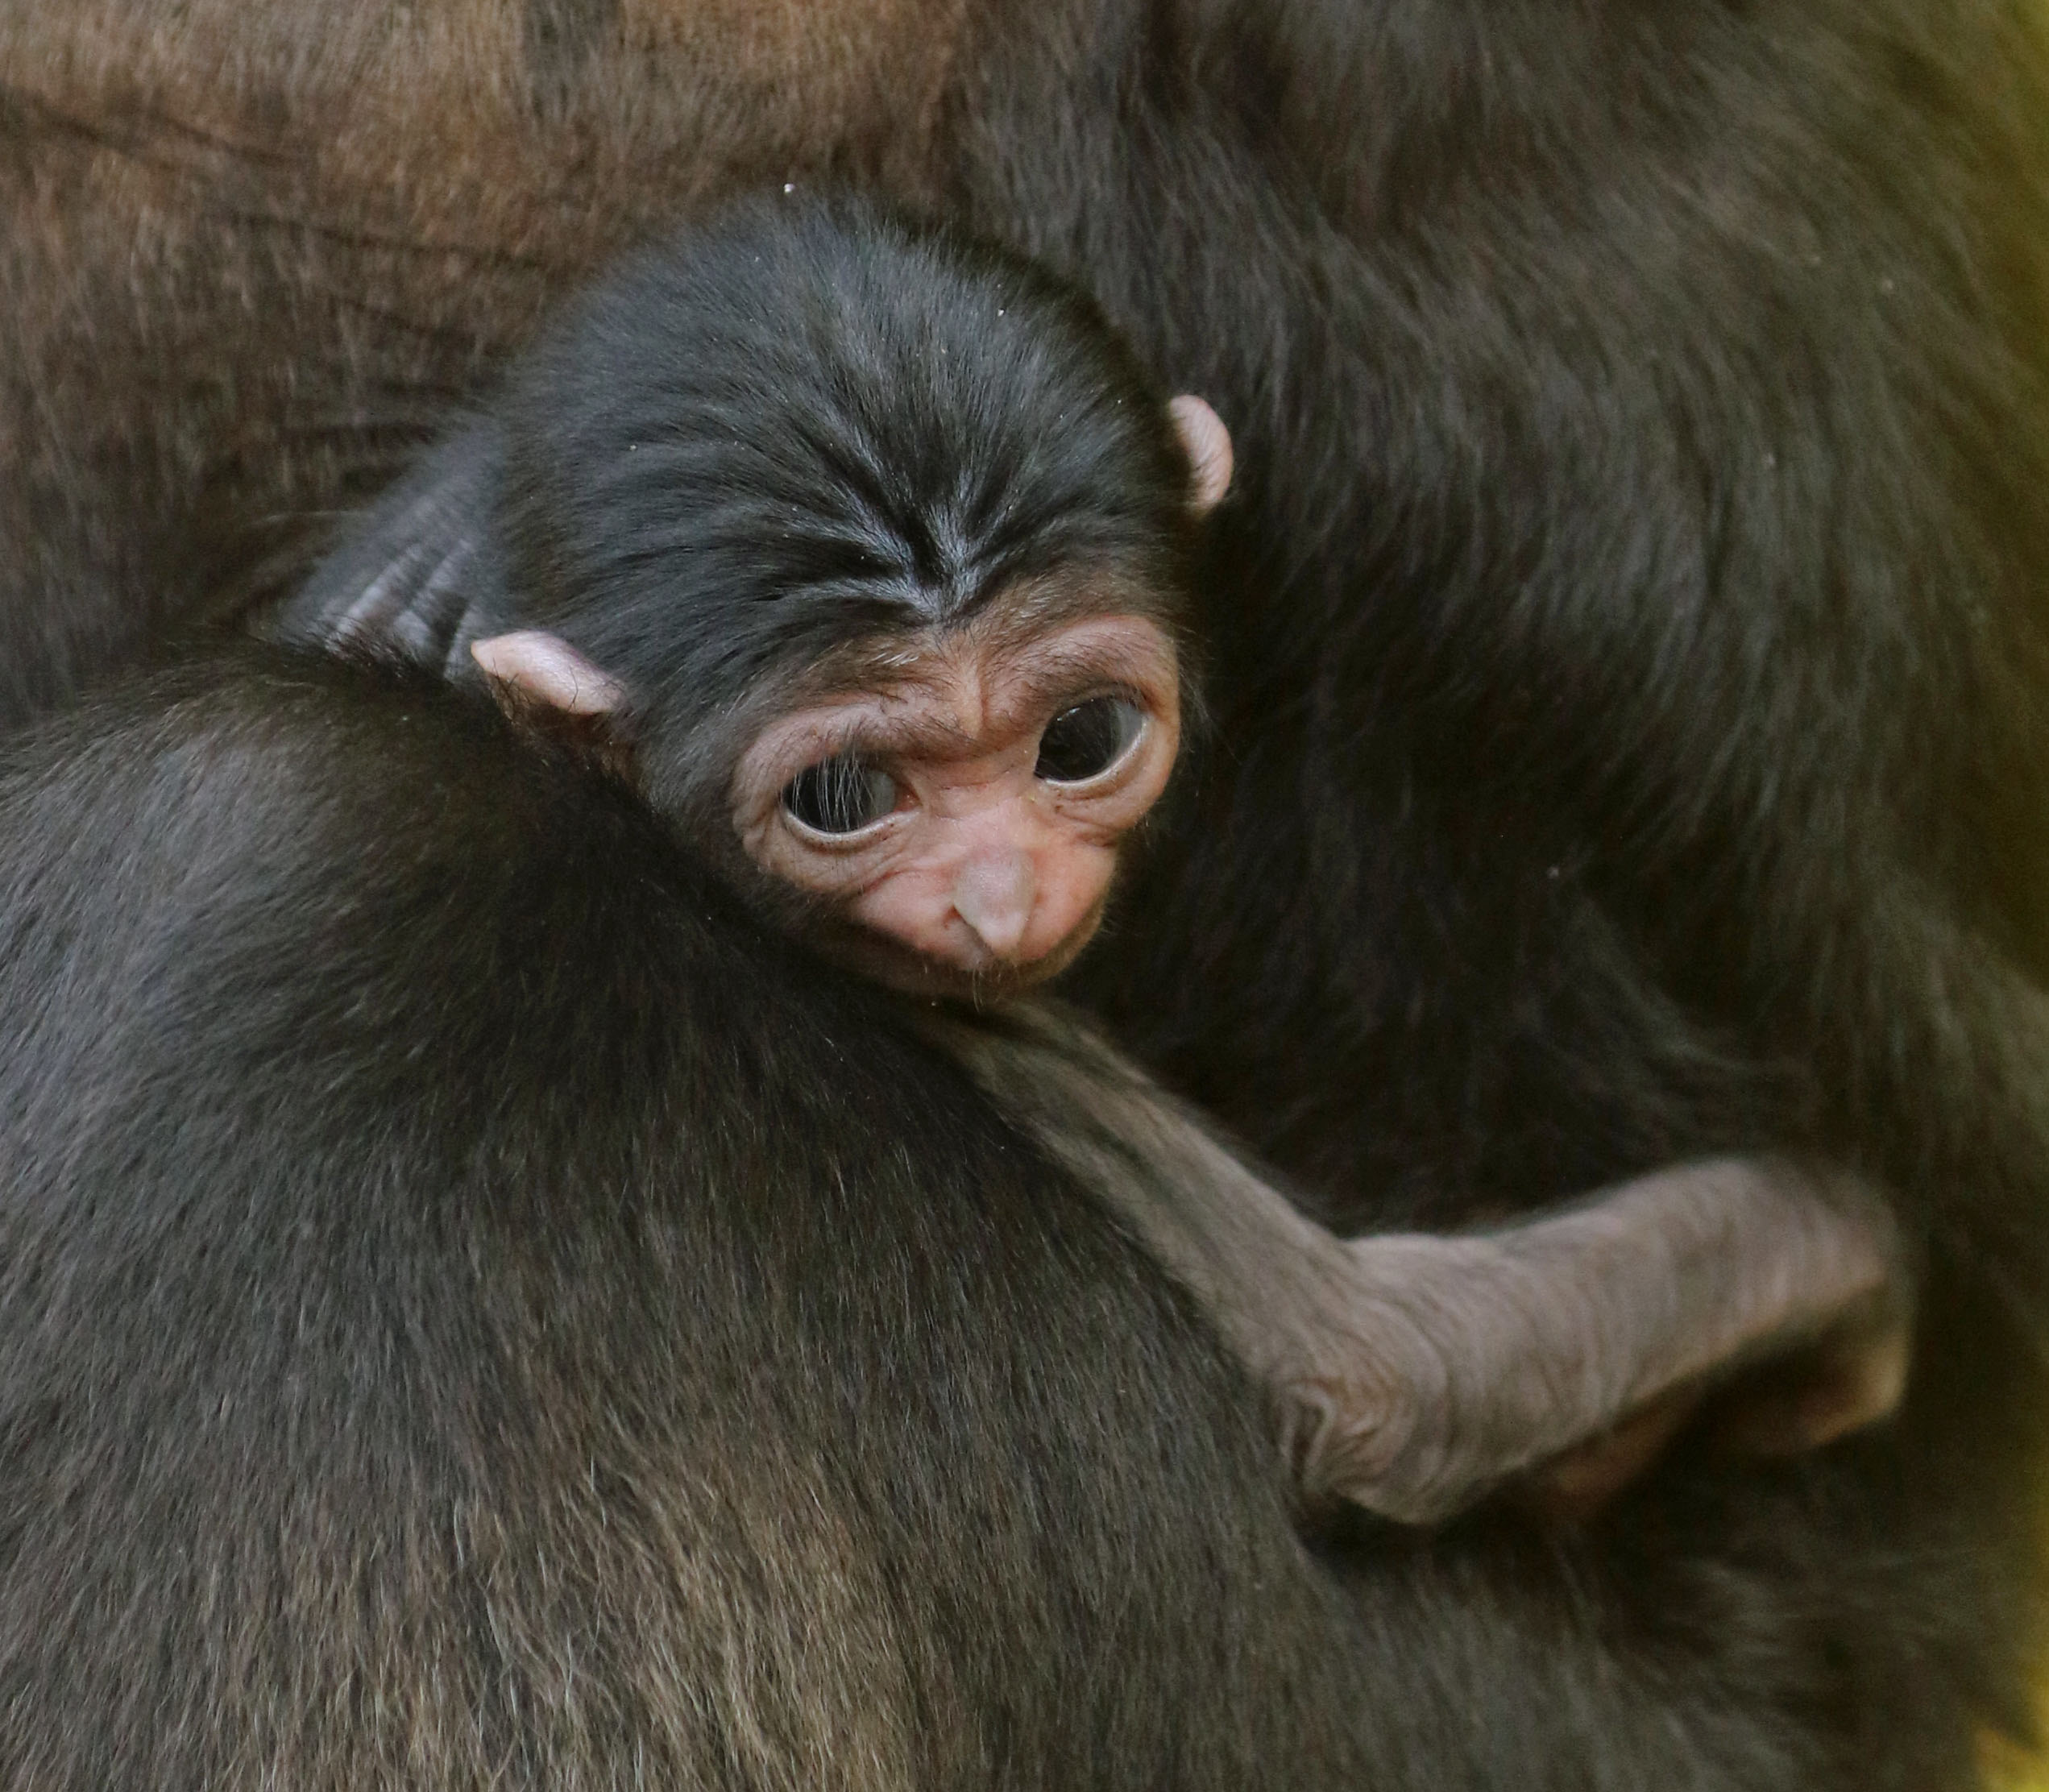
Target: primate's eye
x,y
839,795
1085,741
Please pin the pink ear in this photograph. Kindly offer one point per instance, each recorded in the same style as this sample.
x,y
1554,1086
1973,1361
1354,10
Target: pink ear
x,y
1209,446
546,669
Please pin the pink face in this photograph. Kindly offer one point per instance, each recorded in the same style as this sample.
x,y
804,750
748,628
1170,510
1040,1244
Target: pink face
x,y
966,817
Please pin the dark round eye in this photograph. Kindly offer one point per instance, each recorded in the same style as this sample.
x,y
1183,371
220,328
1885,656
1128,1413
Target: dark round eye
x,y
1085,741
839,795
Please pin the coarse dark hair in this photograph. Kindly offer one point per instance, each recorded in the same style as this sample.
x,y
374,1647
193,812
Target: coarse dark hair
x,y
812,420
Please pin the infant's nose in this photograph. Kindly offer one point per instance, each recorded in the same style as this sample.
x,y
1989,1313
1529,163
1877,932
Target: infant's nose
x,y
993,894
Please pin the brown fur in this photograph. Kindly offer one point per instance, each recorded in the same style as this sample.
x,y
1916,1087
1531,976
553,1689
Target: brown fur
x,y
371,205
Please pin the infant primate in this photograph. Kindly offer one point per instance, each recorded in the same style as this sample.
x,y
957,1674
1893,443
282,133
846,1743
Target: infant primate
x,y
864,554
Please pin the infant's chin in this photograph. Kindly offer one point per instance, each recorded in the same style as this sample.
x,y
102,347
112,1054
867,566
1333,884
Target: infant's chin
x,y
980,985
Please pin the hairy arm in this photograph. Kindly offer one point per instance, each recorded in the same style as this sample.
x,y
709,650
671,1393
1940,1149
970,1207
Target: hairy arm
x,y
1413,1373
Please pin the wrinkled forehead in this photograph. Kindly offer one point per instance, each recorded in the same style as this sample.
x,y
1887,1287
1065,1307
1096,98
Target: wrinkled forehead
x,y
1042,640
1045,630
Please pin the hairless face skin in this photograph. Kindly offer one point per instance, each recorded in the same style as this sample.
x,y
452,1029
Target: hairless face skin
x,y
967,813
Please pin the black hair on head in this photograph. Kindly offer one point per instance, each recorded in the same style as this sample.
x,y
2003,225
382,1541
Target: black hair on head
x,y
809,420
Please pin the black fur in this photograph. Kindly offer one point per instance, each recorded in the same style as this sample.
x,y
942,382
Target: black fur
x,y
1630,695
800,426
476,1311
